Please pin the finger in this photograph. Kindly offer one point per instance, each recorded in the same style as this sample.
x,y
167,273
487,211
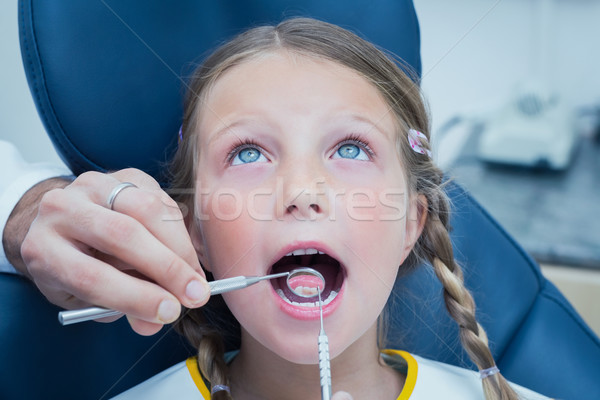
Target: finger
x,y
136,176
163,217
69,208
109,319
70,278
142,327
147,203
95,282
128,240
159,214
173,212
341,396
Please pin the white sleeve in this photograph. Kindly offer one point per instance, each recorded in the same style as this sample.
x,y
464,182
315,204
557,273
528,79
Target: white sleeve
x,y
16,178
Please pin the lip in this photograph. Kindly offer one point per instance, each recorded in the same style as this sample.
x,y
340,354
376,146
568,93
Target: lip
x,y
303,245
308,313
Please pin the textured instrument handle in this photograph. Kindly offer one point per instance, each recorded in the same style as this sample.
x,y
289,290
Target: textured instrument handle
x,y
227,285
324,368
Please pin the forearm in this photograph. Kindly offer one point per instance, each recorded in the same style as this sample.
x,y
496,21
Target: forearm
x,y
22,216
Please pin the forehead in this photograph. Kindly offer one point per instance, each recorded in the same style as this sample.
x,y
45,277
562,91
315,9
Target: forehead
x,y
289,69
285,80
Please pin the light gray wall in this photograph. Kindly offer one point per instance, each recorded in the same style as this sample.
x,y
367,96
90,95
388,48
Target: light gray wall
x,y
19,122
477,52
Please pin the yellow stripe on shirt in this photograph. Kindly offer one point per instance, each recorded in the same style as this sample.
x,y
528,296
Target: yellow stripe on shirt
x,y
411,373
192,365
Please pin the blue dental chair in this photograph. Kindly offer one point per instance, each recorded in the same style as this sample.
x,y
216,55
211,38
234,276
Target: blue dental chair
x,y
107,77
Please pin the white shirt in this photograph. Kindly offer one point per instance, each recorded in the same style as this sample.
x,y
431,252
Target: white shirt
x,y
16,178
425,379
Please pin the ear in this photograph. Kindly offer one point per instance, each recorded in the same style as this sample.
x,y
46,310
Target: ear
x,y
415,222
197,238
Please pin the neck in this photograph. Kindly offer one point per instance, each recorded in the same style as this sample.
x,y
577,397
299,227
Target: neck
x,y
257,373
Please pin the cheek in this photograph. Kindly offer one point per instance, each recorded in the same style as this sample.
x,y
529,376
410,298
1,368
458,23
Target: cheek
x,y
227,233
224,205
377,249
242,308
372,193
376,243
387,205
374,221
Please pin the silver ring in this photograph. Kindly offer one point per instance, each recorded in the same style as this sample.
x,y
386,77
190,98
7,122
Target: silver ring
x,y
113,195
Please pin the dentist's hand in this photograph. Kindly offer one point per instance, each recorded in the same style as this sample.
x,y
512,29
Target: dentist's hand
x,y
137,258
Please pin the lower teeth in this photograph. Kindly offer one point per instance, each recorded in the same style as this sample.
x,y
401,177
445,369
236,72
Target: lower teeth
x,y
328,300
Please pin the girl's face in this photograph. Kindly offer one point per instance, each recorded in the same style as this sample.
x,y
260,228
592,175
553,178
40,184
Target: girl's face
x,y
298,156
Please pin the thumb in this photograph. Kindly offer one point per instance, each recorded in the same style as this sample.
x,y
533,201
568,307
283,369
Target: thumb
x,y
342,396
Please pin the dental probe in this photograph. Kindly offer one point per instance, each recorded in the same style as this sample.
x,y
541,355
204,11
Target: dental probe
x,y
216,287
324,367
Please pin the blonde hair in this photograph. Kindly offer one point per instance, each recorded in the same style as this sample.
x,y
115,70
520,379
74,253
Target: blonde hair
x,y
205,327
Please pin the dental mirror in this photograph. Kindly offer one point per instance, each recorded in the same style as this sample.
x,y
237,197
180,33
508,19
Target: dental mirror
x,y
305,282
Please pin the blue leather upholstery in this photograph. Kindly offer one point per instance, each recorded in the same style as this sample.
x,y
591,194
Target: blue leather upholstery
x,y
536,337
105,76
43,360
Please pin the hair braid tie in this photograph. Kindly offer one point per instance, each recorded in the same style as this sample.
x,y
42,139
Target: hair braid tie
x,y
219,388
484,373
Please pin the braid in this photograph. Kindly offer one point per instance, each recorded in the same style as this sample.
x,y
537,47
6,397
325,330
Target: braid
x,y
211,350
437,248
211,361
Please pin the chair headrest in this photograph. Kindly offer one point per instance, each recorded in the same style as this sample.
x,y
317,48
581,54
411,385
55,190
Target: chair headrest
x,y
108,77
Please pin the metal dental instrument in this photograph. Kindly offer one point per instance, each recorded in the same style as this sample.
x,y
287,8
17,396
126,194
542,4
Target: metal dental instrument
x,y
324,365
216,287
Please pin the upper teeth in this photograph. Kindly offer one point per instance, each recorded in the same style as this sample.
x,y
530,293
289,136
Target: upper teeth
x,y
303,252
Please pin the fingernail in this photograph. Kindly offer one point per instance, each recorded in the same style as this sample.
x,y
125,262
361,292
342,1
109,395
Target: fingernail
x,y
342,396
168,311
196,291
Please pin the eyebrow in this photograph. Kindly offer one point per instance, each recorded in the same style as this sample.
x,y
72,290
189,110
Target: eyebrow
x,y
367,121
229,128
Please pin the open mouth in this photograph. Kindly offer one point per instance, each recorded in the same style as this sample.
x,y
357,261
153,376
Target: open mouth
x,y
329,267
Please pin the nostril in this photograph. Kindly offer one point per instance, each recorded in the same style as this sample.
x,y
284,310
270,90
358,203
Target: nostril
x,y
309,212
312,207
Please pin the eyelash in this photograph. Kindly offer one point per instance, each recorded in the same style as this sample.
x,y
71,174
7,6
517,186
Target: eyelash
x,y
358,140
241,145
350,139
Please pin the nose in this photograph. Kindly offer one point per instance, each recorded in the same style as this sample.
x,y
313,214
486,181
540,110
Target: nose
x,y
305,196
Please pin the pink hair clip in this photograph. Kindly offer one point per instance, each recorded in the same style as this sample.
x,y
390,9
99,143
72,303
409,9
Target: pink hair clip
x,y
416,140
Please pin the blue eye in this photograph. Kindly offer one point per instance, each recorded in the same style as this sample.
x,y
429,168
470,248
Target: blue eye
x,y
351,151
248,155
